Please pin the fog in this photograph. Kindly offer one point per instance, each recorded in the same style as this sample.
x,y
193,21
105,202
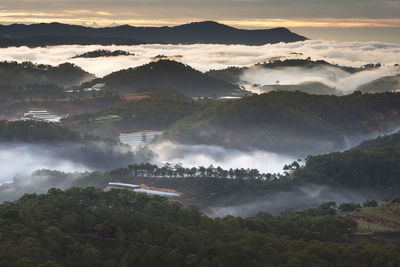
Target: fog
x,y
330,76
207,56
20,159
205,155
303,197
354,140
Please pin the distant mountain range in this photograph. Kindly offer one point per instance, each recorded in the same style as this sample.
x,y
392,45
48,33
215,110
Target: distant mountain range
x,y
193,33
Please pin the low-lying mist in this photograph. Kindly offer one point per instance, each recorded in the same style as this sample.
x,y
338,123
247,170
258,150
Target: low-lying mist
x,y
205,155
333,77
207,56
22,158
303,197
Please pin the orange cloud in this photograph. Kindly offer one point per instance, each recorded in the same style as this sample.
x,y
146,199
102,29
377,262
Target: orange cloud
x,y
103,18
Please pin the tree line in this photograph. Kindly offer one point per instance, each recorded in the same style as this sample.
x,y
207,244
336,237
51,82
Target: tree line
x,y
179,171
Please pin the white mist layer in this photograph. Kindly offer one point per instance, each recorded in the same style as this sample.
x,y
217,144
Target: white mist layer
x,y
330,76
205,155
307,196
25,159
207,56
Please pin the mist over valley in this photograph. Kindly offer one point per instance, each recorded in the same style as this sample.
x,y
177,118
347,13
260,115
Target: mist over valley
x,y
196,145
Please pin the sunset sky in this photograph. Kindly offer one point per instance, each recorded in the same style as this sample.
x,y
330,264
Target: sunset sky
x,y
364,20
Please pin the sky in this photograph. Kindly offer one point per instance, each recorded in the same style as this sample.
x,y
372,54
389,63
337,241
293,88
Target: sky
x,y
340,20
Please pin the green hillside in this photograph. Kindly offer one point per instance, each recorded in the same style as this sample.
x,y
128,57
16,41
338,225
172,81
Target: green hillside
x,y
154,113
289,121
168,74
373,166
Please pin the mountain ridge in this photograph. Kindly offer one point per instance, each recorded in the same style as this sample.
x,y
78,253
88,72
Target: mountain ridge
x,y
190,33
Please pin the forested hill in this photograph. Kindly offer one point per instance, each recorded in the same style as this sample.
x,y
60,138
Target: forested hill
x,y
232,74
372,167
380,142
290,121
154,113
31,131
88,227
35,131
168,74
198,32
27,73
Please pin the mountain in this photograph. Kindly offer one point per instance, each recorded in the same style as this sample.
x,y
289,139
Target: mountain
x,y
291,122
26,73
45,40
168,74
198,32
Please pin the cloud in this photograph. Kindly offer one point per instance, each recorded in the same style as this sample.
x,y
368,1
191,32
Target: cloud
x,y
300,198
205,57
205,155
23,158
330,76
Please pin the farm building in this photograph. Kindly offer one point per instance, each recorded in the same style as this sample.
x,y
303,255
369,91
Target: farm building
x,y
145,189
123,185
139,138
40,115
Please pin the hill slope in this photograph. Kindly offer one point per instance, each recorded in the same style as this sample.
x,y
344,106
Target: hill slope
x,y
387,83
372,167
87,227
66,74
290,121
155,113
168,74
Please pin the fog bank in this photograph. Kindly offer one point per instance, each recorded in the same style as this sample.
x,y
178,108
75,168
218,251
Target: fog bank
x,y
205,155
18,159
333,77
307,196
208,56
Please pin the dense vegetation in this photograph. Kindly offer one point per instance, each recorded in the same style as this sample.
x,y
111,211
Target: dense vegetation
x,y
379,142
154,113
103,53
290,121
169,74
28,73
16,108
87,227
373,166
308,63
35,131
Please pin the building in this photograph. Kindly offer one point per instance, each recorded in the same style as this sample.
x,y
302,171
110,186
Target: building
x,y
123,185
136,139
97,87
137,188
40,115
